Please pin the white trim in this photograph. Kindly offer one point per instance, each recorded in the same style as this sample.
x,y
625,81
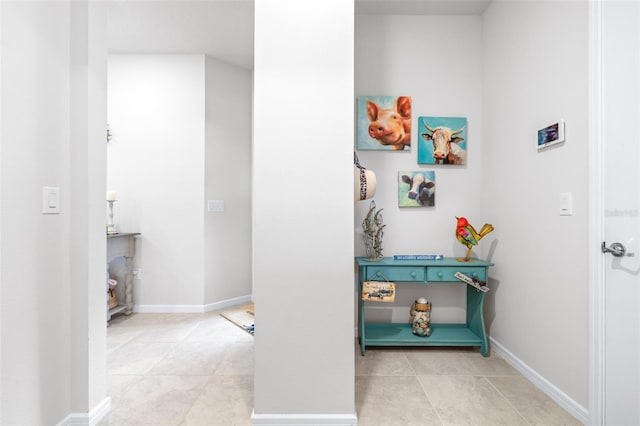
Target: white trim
x,y
167,309
304,419
195,309
228,303
561,398
91,418
596,221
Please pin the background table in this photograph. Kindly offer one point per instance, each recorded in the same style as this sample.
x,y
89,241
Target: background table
x,y
122,245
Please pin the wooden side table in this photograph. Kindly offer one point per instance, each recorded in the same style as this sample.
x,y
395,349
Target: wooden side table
x,y
122,245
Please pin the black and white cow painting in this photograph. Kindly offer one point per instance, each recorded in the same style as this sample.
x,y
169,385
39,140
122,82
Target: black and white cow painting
x,y
417,189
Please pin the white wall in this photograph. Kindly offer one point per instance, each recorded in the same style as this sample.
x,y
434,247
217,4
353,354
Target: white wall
x,y
48,295
227,258
302,213
535,72
35,252
407,55
155,162
88,153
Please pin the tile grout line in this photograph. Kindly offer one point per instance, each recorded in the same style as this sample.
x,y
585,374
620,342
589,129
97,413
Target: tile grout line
x,y
415,373
433,407
506,399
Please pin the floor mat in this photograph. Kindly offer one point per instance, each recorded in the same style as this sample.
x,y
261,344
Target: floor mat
x,y
242,316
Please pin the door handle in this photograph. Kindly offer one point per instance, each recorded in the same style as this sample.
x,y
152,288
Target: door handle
x,y
616,249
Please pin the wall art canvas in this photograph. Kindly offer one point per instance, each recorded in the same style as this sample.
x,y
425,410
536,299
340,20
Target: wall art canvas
x,y
442,140
417,189
384,123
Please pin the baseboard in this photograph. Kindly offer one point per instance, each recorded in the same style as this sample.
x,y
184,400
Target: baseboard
x,y
168,309
304,419
228,303
91,418
193,309
560,398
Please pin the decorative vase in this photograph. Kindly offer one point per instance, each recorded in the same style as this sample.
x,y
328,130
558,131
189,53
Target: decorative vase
x,y
421,317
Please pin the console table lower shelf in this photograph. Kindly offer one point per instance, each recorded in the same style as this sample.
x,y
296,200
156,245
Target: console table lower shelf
x,y
399,334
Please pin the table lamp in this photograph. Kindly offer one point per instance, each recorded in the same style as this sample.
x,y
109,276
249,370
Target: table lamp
x,y
111,198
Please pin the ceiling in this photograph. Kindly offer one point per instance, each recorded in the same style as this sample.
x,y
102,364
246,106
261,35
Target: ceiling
x,y
421,7
224,28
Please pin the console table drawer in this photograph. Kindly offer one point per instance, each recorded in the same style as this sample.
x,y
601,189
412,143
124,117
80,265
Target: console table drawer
x,y
447,273
398,273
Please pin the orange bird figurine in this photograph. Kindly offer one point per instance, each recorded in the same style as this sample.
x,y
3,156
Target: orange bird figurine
x,y
467,235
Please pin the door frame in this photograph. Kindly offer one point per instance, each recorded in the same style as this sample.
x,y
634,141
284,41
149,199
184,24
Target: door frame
x,y
596,221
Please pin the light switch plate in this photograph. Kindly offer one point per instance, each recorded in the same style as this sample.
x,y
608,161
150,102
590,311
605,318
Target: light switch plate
x,y
215,206
566,204
50,200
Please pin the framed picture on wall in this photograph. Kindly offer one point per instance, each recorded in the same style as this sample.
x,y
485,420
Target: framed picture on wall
x,y
442,140
551,135
384,123
417,188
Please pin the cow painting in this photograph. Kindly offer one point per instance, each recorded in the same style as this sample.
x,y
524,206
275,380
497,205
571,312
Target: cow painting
x,y
442,140
384,122
417,189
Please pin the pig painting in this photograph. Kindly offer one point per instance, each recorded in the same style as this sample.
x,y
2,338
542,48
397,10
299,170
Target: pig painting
x,y
384,123
417,189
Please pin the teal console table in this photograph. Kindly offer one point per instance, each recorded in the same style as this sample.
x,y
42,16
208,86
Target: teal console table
x,y
472,333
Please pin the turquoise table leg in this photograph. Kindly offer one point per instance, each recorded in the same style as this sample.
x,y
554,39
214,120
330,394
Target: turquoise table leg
x,y
475,317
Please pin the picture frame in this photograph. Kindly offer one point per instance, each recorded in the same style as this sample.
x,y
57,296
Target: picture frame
x,y
417,188
442,140
383,123
551,135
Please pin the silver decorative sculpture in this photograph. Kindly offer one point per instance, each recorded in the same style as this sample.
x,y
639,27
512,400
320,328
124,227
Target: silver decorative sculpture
x,y
373,226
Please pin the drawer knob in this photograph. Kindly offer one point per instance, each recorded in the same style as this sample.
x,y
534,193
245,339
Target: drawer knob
x,y
378,274
413,274
439,274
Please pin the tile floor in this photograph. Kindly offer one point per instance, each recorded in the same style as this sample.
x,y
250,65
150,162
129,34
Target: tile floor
x,y
197,369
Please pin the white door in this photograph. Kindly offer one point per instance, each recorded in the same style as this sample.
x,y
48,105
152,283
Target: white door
x,y
620,284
